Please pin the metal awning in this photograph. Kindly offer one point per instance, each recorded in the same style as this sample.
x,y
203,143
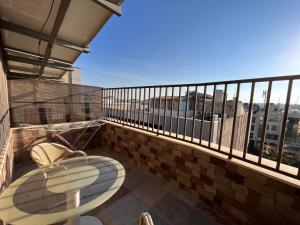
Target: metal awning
x,y
43,38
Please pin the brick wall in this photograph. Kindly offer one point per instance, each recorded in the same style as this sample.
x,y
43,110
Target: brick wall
x,y
6,155
4,108
47,102
6,163
236,191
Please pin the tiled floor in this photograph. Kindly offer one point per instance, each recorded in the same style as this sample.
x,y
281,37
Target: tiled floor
x,y
144,192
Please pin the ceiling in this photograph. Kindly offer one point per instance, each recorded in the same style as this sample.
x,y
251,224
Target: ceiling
x,y
42,38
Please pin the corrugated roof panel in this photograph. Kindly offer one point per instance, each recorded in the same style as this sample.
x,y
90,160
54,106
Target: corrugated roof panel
x,y
82,21
23,42
65,54
30,13
23,67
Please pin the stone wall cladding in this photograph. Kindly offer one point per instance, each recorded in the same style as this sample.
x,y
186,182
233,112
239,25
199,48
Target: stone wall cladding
x,y
237,193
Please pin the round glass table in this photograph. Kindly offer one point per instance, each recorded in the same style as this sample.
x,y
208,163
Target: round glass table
x,y
62,191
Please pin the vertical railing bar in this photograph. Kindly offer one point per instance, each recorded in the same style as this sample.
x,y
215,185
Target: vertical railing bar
x,y
223,116
127,105
153,109
263,133
194,113
171,114
109,104
144,99
284,123
131,94
113,104
124,99
202,116
159,103
165,110
140,90
212,116
148,119
177,123
185,112
103,102
234,119
118,105
134,109
249,120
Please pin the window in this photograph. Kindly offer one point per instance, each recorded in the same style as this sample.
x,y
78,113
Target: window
x,y
273,128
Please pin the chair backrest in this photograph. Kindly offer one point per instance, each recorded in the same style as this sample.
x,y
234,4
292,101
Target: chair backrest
x,y
46,153
145,219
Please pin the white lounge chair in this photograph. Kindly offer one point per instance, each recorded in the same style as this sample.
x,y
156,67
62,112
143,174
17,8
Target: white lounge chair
x,y
45,153
145,219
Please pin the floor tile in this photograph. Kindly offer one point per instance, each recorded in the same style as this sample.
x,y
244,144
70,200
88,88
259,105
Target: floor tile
x,y
127,210
106,218
198,218
182,195
157,219
173,210
134,179
151,191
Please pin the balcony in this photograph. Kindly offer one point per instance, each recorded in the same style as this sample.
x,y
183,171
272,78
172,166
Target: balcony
x,y
222,181
225,152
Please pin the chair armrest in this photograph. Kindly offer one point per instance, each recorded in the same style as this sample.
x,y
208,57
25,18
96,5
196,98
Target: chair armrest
x,y
77,152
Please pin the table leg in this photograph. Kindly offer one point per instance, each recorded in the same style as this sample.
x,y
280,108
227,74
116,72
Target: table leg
x,y
73,201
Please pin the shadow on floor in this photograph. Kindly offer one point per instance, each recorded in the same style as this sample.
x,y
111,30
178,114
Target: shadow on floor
x,y
145,192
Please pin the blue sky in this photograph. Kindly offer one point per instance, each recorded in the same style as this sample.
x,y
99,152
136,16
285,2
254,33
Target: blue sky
x,y
175,41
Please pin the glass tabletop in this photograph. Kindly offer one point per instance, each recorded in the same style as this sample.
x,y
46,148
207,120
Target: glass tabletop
x,y
61,190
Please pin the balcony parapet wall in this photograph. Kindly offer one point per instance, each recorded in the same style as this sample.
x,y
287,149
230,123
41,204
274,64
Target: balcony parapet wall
x,y
239,192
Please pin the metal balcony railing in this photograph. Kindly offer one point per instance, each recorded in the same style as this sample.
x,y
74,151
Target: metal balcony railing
x,y
230,117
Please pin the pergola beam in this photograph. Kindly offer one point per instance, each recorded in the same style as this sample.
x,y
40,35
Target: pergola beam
x,y
41,36
29,54
114,8
3,55
15,75
38,62
62,10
